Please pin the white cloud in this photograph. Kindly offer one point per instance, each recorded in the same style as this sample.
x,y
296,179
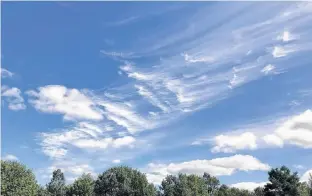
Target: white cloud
x,y
13,97
117,54
151,98
297,130
90,129
10,157
54,151
85,136
71,169
123,141
124,116
281,51
299,167
232,143
191,59
92,143
216,167
104,143
116,161
268,69
306,176
273,140
6,73
184,84
72,103
248,185
204,74
124,21
286,36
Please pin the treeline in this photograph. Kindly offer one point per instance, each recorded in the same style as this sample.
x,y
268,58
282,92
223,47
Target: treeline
x,y
18,180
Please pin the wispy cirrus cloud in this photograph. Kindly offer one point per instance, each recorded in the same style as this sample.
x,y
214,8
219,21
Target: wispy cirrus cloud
x,y
84,136
123,21
6,73
201,63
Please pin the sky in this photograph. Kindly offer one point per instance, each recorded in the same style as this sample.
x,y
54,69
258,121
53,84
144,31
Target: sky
x,y
164,87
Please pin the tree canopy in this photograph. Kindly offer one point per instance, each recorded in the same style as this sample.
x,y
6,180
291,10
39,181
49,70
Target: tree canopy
x,y
84,185
17,180
123,181
57,184
282,183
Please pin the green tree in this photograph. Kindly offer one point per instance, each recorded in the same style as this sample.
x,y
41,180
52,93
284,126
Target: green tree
x,y
304,189
42,191
238,192
223,190
310,184
259,191
123,181
282,183
184,185
17,180
169,185
57,184
83,186
212,183
197,185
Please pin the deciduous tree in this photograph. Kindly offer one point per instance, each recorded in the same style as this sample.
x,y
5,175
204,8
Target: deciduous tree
x,y
123,181
83,186
17,180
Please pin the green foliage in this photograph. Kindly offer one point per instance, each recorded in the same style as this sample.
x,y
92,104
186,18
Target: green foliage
x,y
259,191
212,183
282,183
188,185
56,186
226,191
43,192
123,181
304,189
310,185
17,180
223,190
83,186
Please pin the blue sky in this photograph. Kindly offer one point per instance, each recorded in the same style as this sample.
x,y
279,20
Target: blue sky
x,y
218,87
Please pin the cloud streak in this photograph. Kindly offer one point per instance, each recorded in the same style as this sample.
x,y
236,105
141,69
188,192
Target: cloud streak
x,y
6,73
